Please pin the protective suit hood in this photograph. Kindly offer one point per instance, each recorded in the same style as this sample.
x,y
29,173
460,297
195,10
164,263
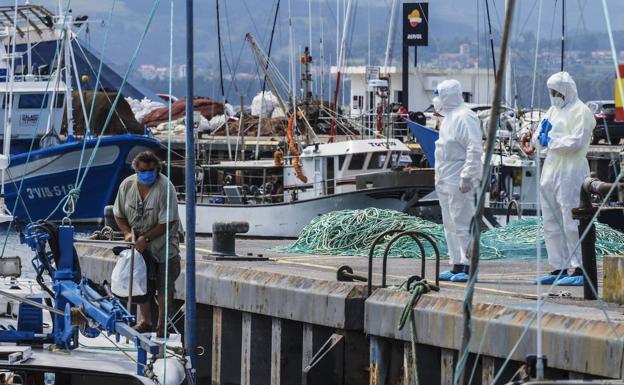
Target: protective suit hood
x,y
563,83
449,95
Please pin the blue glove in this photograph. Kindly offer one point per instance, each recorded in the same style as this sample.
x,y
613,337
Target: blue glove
x,y
543,137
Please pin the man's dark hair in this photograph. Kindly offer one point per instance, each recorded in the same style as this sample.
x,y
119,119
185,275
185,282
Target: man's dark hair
x,y
147,157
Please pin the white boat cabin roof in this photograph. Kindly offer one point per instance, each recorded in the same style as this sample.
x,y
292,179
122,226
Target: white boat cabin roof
x,y
27,86
244,165
354,147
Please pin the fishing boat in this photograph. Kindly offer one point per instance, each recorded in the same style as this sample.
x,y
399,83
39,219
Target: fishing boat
x,y
278,198
44,168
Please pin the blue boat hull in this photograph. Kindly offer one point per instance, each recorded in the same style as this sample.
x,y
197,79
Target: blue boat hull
x,y
50,173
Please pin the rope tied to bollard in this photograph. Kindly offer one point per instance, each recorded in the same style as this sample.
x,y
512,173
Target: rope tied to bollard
x,y
417,287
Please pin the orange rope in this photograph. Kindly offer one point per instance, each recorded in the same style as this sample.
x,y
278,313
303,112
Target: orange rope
x,y
294,151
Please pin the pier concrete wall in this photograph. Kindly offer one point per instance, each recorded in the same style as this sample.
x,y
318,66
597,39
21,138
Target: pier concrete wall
x,y
264,327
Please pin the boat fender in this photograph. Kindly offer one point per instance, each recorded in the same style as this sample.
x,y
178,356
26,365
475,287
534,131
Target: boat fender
x,y
525,143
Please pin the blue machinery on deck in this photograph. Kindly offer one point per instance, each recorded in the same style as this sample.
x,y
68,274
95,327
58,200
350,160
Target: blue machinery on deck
x,y
77,306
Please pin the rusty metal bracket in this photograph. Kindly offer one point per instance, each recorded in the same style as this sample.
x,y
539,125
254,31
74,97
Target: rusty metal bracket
x,y
414,235
371,254
333,341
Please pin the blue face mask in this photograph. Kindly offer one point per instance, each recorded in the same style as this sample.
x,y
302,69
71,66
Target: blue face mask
x,y
147,178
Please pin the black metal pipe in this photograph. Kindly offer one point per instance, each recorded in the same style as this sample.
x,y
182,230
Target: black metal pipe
x,y
585,213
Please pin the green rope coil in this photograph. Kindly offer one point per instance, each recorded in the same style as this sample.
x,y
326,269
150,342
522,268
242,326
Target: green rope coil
x,y
352,232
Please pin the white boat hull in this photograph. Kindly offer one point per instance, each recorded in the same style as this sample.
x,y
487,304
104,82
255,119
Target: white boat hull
x,y
286,220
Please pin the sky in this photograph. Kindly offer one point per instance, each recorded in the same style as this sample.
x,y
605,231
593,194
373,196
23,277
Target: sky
x,y
448,18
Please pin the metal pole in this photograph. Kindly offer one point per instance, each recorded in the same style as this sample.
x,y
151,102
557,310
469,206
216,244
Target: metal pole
x,y
562,32
131,272
189,315
388,54
473,249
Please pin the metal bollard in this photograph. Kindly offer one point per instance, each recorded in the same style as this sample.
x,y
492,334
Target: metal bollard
x,y
345,274
584,214
224,236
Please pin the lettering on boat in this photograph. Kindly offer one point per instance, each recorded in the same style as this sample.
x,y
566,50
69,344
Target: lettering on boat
x,y
48,191
29,119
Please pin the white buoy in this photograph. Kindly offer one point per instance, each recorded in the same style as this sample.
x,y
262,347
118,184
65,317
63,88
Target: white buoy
x,y
175,371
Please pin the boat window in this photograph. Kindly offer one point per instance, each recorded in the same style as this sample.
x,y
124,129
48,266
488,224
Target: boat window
x,y
357,161
341,159
394,159
60,99
32,101
5,100
377,160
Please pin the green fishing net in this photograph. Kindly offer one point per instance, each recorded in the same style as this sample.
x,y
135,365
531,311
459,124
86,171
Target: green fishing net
x,y
352,232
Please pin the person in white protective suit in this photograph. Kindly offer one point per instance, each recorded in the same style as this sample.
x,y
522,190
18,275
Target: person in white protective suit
x,y
458,169
564,133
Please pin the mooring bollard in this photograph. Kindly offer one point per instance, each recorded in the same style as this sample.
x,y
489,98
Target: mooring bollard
x,y
585,214
224,237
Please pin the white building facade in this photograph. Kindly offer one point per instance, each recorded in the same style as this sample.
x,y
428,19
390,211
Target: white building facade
x,y
477,84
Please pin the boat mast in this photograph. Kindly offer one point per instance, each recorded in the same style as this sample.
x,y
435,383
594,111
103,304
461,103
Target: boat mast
x,y
339,64
10,64
562,32
507,63
388,56
66,25
266,67
189,314
227,129
474,248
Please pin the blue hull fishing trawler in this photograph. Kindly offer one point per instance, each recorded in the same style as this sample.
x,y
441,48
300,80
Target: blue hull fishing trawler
x,y
47,169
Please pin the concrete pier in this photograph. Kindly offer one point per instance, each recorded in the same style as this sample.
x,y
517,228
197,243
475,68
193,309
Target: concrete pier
x,y
288,321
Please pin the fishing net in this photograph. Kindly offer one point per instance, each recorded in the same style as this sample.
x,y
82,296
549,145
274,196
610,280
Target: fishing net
x,y
352,232
517,240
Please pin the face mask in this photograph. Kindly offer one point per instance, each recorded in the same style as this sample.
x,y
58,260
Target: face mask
x,y
557,101
437,104
146,178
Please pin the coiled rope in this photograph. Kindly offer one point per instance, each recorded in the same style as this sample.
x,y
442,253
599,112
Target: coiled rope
x,y
417,287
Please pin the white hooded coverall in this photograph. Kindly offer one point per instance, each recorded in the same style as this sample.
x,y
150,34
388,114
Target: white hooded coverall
x,y
458,155
563,172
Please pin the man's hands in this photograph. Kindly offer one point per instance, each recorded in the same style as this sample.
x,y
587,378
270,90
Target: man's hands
x,y
140,244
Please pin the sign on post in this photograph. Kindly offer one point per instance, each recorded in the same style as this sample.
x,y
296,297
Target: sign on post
x,y
372,73
416,24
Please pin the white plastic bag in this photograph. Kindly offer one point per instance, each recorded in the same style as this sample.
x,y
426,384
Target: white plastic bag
x,y
120,280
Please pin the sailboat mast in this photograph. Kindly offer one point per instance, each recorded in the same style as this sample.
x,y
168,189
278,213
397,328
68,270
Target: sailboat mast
x,y
562,31
388,55
225,123
339,64
190,313
257,152
508,86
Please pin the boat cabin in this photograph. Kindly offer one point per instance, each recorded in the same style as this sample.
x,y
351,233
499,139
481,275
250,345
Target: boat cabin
x,y
35,107
331,168
325,169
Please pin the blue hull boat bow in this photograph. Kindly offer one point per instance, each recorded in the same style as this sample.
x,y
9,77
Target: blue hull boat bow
x,y
48,174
